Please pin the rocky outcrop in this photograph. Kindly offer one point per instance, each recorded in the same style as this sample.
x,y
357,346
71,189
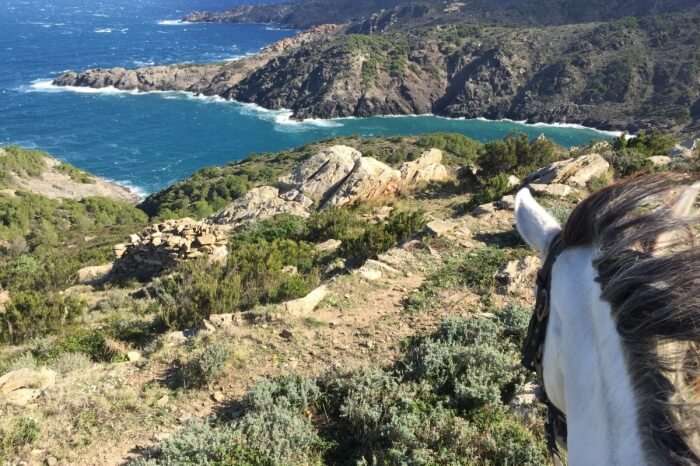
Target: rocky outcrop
x,y
573,172
163,245
320,175
22,386
369,180
4,299
260,204
428,168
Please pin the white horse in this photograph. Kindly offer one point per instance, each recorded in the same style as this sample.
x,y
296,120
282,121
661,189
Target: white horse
x,y
620,353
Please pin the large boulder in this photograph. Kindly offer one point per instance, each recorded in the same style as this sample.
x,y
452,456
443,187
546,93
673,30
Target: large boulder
x,y
21,386
574,172
163,245
259,204
322,173
370,179
428,168
94,274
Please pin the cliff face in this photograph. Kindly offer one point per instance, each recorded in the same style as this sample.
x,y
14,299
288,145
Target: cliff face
x,y
625,75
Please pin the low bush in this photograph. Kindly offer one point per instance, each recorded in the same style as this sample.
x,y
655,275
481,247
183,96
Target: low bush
x,y
467,361
444,403
205,366
464,149
22,432
516,155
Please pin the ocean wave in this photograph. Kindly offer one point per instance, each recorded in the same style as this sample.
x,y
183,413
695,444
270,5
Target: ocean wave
x,y
103,30
173,22
283,118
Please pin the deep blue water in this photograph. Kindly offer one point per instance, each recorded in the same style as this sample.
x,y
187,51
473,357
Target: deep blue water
x,y
150,140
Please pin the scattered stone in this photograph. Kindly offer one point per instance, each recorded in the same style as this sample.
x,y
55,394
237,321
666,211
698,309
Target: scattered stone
x,y
175,338
218,396
484,209
94,274
329,246
682,150
428,168
21,386
260,204
286,334
51,461
553,189
307,304
162,246
506,202
134,356
225,320
576,172
660,160
290,270
374,270
440,228
518,276
513,181
163,401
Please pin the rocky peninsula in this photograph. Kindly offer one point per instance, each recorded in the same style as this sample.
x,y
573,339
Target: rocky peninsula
x,y
627,75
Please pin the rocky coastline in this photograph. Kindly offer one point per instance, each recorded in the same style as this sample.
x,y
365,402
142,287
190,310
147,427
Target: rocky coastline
x,y
578,74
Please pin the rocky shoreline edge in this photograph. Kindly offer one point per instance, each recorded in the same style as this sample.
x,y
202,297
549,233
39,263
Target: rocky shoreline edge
x,y
327,73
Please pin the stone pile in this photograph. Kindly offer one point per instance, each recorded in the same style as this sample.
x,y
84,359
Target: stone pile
x,y
163,245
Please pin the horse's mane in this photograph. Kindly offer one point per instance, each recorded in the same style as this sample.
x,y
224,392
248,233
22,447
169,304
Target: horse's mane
x,y
649,271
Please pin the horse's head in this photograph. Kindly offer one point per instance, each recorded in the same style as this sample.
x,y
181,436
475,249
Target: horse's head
x,y
620,344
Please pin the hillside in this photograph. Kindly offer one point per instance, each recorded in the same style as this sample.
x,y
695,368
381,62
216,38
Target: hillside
x,y
626,75
351,300
382,15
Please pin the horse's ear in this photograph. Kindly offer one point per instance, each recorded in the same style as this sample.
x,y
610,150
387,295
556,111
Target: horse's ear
x,y
536,225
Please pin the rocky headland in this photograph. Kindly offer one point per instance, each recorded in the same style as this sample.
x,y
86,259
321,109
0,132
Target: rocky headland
x,y
628,75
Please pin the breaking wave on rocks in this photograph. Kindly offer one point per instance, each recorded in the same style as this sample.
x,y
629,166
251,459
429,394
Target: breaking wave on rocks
x,y
173,22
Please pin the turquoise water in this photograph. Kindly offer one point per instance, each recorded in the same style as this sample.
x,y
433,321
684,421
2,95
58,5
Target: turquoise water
x,y
148,141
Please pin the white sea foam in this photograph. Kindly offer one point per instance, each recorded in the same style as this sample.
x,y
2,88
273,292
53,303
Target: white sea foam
x,y
173,22
137,190
283,118
103,30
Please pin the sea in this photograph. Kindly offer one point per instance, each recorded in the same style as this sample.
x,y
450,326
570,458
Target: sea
x,y
147,141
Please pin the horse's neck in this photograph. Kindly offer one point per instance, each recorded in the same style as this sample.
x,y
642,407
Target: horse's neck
x,y
598,396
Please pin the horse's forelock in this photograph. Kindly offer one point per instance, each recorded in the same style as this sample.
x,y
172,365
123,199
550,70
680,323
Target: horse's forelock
x,y
652,288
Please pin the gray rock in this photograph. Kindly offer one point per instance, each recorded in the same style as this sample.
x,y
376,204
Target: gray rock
x,y
258,204
574,172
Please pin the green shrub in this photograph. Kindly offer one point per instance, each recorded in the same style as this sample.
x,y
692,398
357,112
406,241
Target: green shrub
x,y
35,314
464,149
90,342
205,366
491,190
467,360
23,431
517,155
379,238
22,162
76,174
293,392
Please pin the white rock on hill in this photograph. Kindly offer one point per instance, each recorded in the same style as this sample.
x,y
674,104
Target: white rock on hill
x,y
426,169
369,180
323,172
260,204
21,386
577,172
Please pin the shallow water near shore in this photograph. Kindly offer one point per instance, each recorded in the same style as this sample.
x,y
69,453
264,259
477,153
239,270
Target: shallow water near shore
x,y
149,140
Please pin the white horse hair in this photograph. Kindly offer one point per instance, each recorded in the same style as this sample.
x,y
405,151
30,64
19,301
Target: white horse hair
x,y
620,357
